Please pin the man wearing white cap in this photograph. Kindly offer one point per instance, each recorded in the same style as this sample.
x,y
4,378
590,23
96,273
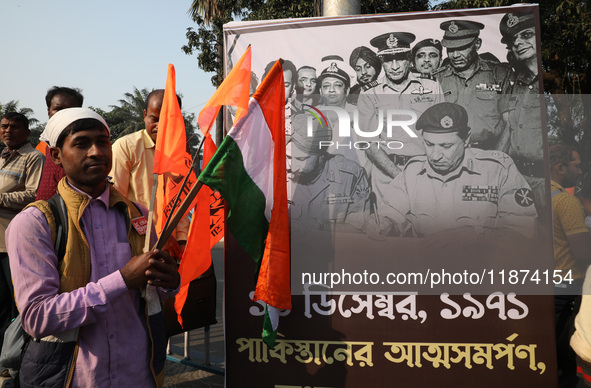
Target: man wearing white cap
x,y
85,310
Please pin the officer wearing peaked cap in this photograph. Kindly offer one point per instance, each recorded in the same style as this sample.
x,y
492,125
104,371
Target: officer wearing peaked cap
x,y
327,189
393,42
460,33
453,186
334,83
512,23
473,82
522,139
402,90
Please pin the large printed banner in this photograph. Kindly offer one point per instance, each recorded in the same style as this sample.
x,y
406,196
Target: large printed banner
x,y
420,226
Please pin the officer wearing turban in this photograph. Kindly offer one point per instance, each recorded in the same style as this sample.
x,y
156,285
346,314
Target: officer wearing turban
x,y
367,67
453,186
475,83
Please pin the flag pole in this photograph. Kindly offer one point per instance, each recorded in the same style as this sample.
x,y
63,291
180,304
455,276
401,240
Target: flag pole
x,y
183,185
167,231
151,212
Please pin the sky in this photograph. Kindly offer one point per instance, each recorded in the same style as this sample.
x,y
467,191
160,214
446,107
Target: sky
x,y
103,47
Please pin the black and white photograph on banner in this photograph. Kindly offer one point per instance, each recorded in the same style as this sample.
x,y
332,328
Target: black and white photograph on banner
x,y
415,146
417,127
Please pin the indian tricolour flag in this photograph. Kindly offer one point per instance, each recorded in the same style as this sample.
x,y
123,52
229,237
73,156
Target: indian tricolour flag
x,y
249,171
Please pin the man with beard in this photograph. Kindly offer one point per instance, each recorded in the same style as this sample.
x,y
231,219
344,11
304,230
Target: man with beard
x,y
522,139
400,90
367,67
327,189
427,57
476,84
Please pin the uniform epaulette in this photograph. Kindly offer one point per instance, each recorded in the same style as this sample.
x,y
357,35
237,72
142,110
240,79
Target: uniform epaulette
x,y
425,76
492,156
370,85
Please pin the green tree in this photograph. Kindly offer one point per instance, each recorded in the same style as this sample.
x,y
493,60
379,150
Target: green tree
x,y
210,15
128,116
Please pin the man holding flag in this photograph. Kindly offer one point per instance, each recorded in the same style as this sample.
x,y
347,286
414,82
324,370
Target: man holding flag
x,y
133,164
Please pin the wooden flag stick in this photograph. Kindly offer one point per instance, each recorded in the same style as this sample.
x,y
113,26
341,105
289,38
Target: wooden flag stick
x,y
174,220
194,167
151,213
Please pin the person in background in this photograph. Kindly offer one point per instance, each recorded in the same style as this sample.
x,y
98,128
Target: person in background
x,y
572,253
20,172
133,164
57,98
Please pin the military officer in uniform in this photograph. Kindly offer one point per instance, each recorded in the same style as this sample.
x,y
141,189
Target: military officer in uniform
x,y
399,90
427,57
454,187
522,108
475,83
327,190
334,86
367,67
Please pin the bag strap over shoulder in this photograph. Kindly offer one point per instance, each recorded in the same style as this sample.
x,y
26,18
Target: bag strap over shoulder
x,y
60,213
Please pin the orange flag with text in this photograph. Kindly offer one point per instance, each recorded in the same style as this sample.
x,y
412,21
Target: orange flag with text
x,y
171,159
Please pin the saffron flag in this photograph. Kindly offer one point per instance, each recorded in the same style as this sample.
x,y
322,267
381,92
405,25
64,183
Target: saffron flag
x,y
197,256
233,91
171,159
171,144
249,172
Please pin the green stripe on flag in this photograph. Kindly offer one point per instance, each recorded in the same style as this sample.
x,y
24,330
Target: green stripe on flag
x,y
226,173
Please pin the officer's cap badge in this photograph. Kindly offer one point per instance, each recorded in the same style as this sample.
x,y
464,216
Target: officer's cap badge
x,y
446,122
512,20
392,41
453,28
333,68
